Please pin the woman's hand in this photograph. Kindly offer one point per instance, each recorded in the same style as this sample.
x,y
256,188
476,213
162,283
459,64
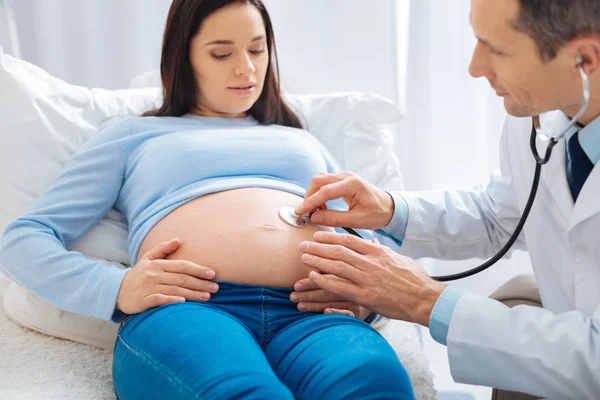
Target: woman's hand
x,y
155,281
311,298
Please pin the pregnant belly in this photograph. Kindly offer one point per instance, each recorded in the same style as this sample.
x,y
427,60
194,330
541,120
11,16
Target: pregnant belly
x,y
239,235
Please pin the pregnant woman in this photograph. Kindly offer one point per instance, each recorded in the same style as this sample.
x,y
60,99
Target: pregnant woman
x,y
205,309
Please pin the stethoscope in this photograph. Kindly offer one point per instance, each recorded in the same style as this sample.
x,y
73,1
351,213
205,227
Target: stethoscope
x,y
287,214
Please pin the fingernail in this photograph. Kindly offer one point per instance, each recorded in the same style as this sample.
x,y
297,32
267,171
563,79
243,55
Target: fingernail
x,y
210,274
303,246
318,235
302,307
314,275
205,296
294,297
298,287
328,311
306,257
213,287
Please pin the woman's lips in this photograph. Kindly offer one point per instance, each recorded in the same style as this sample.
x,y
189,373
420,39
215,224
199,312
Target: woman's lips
x,y
243,91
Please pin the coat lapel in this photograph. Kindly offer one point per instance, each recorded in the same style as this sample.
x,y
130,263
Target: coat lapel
x,y
588,201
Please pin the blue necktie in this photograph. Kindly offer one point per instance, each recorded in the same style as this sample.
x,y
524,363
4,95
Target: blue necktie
x,y
579,165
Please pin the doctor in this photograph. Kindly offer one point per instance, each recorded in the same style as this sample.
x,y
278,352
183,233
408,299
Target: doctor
x,y
530,52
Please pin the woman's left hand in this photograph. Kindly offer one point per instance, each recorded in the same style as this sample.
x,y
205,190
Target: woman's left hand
x,y
311,298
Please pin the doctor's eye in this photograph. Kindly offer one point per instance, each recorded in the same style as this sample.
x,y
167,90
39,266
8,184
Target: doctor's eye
x,y
497,53
220,56
257,52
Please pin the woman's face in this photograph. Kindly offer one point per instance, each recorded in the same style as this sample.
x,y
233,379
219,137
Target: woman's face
x,y
229,58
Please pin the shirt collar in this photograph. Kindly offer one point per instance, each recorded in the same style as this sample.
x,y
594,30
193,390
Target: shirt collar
x,y
589,138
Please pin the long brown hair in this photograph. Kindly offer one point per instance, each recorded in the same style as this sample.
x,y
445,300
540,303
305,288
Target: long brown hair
x,y
178,81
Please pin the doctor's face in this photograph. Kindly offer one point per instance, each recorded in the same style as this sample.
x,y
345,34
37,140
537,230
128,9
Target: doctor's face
x,y
511,62
229,58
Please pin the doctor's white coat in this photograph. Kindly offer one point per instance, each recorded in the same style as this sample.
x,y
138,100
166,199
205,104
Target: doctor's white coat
x,y
552,352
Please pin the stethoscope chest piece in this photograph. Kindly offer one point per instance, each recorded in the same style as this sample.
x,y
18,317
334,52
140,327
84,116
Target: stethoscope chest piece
x,y
287,215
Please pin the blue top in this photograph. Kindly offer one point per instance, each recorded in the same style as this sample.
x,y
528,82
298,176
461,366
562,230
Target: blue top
x,y
439,320
145,167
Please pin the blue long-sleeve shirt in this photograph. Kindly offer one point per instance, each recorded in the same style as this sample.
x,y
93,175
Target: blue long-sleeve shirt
x,y
145,167
439,320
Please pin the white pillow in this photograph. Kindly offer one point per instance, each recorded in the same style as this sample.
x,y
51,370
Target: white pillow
x,y
43,120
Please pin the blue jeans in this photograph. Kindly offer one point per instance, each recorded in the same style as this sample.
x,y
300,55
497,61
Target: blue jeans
x,y
251,342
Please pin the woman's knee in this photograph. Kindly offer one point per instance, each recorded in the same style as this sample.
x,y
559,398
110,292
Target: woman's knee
x,y
383,373
338,358
376,374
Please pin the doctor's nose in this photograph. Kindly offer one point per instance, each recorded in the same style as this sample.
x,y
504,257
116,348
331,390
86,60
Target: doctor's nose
x,y
480,66
244,67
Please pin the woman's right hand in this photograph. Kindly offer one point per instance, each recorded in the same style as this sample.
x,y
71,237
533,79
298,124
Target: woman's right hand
x,y
155,281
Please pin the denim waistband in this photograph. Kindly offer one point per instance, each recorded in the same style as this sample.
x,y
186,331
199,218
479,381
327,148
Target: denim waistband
x,y
277,292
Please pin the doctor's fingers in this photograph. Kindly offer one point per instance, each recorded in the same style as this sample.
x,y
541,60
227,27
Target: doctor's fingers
x,y
335,243
316,295
345,289
316,186
334,252
333,267
350,307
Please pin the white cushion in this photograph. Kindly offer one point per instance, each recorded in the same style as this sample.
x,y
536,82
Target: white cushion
x,y
43,120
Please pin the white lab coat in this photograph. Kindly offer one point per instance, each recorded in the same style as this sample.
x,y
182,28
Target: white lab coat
x,y
552,352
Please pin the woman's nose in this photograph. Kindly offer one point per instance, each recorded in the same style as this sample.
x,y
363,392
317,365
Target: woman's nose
x,y
245,66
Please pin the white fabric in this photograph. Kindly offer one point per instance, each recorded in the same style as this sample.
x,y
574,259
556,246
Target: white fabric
x,y
552,352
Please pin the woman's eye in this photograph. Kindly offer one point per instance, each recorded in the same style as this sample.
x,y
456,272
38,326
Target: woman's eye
x,y
220,56
257,52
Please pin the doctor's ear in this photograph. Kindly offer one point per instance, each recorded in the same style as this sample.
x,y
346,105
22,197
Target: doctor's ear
x,y
586,52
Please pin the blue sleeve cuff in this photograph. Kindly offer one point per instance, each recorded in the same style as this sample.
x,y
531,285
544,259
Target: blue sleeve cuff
x,y
397,226
439,320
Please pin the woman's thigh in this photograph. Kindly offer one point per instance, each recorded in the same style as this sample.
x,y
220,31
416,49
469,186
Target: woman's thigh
x,y
191,351
337,357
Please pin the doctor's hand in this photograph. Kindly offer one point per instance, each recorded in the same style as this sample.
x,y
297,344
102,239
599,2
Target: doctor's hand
x,y
311,298
372,275
369,207
155,281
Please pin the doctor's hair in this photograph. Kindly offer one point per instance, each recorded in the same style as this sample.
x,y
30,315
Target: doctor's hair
x,y
179,84
552,23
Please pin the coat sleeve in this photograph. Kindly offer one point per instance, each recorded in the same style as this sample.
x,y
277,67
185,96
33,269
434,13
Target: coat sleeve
x,y
525,349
